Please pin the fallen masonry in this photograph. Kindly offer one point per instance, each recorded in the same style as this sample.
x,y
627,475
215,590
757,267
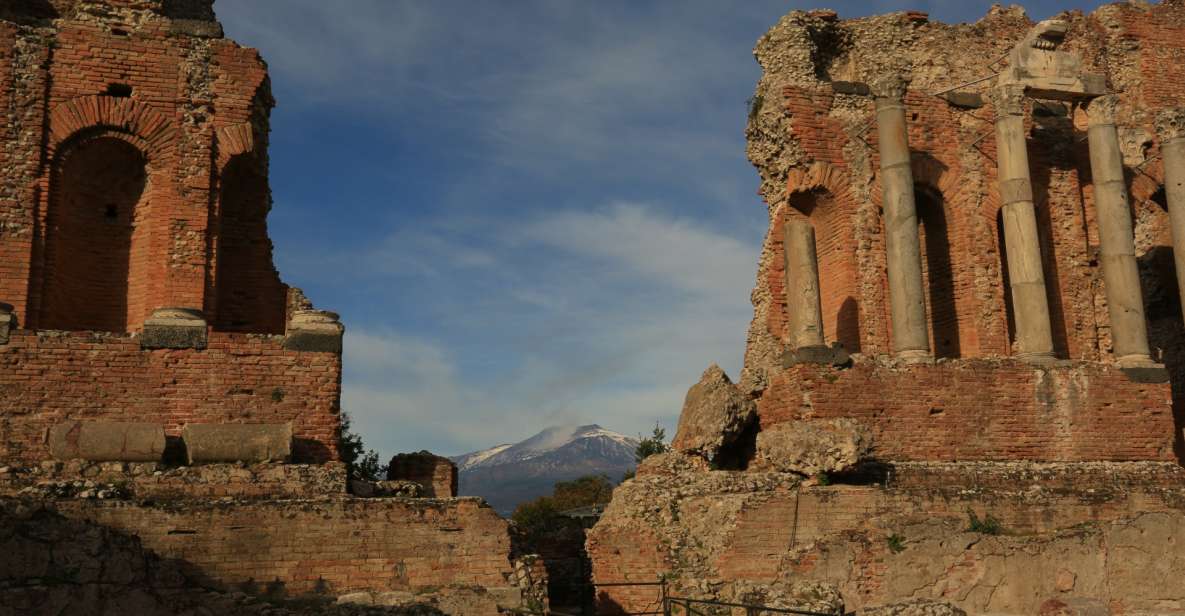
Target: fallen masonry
x,y
967,355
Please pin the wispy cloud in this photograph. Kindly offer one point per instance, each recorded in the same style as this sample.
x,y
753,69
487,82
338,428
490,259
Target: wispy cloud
x,y
572,342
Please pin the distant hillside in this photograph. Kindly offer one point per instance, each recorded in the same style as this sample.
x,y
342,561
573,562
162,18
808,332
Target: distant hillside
x,y
506,475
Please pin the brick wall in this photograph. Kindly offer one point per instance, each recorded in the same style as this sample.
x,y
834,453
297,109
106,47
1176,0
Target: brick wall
x,y
50,377
330,546
984,409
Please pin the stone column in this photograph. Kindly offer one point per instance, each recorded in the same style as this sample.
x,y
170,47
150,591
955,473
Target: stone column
x,y
1034,338
1121,277
802,285
911,340
1170,125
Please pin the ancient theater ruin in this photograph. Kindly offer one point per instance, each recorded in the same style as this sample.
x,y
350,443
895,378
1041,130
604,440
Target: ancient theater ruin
x,y
169,409
963,380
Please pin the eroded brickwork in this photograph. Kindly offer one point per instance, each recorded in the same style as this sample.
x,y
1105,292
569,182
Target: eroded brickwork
x,y
135,179
812,144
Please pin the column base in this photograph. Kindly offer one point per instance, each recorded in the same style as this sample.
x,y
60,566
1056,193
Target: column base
x,y
1043,358
915,356
174,328
834,355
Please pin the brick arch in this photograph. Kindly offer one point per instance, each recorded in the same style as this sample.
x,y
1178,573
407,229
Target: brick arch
x,y
233,140
821,195
89,114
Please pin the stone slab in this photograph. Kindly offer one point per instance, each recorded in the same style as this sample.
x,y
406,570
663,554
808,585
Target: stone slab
x,y
237,442
314,342
834,355
100,441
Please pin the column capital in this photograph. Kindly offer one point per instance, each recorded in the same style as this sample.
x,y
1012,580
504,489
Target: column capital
x,y
1170,124
1101,110
1008,99
891,86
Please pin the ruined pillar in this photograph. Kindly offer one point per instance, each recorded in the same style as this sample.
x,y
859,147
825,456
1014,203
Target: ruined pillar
x,y
1121,277
1170,125
907,299
802,285
1034,337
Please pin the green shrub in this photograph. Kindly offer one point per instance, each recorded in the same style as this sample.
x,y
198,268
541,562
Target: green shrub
x,y
989,525
896,543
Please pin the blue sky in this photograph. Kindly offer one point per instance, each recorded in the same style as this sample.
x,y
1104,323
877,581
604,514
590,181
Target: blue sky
x,y
528,213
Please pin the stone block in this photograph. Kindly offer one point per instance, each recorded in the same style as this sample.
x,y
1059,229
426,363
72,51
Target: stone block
x,y
715,414
965,100
850,87
237,442
174,328
107,441
813,446
7,322
317,331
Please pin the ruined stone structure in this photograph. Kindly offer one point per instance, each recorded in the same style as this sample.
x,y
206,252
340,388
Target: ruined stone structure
x,y
158,382
967,301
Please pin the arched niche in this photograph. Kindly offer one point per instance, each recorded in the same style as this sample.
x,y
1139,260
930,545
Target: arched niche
x,y
248,295
838,270
938,271
97,259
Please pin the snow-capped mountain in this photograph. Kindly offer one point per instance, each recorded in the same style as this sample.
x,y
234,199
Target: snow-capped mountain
x,y
509,474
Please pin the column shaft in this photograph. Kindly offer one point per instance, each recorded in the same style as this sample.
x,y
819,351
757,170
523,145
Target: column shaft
x,y
802,285
907,298
1030,305
1171,127
1121,277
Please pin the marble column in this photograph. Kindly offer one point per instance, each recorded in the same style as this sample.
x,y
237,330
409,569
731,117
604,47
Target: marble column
x,y
802,285
911,339
1170,126
1030,305
1121,277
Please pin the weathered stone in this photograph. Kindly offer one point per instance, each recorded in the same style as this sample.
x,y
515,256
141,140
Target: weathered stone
x,y
915,607
715,413
813,446
174,328
1036,64
7,322
237,442
834,355
107,441
671,463
401,488
850,87
314,331
803,595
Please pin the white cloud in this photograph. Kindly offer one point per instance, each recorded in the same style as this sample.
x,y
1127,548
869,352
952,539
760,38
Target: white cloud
x,y
562,344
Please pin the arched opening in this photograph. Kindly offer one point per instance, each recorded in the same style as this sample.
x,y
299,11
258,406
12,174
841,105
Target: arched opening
x,y
938,275
96,255
249,295
836,255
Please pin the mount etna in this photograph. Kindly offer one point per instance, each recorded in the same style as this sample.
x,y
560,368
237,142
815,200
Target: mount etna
x,y
509,474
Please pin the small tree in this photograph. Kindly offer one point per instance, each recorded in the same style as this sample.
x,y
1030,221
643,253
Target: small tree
x,y
654,444
361,463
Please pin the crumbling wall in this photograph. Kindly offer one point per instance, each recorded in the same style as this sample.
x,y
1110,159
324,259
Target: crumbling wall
x,y
1075,534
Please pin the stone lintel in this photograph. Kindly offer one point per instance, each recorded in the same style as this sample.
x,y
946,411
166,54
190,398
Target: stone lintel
x,y
174,328
855,88
965,100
